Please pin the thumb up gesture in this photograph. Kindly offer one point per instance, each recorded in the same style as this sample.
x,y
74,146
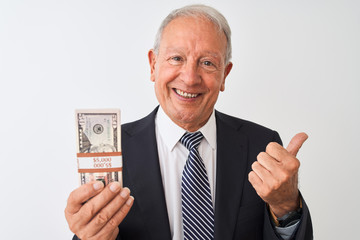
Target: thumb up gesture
x,y
274,175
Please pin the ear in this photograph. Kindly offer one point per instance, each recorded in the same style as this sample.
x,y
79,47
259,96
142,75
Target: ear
x,y
227,71
152,62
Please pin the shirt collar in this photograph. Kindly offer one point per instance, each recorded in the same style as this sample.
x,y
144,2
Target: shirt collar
x,y
171,133
209,131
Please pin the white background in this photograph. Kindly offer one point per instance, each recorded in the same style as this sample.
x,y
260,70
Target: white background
x,y
296,68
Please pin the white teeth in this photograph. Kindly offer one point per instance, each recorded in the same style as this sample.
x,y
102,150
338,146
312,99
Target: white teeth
x,y
185,94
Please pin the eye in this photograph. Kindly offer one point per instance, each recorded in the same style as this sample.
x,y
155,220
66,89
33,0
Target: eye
x,y
176,58
208,63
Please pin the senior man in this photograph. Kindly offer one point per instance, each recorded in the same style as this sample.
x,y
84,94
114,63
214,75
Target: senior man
x,y
195,173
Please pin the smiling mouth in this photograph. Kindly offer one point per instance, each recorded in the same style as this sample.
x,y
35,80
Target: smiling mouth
x,y
185,94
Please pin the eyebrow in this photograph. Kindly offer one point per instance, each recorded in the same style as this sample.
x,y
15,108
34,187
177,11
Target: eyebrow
x,y
170,49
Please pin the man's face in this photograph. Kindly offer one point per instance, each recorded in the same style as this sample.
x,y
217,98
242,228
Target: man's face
x,y
189,70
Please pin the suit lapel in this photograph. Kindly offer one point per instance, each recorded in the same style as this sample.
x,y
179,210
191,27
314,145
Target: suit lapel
x,y
231,165
143,170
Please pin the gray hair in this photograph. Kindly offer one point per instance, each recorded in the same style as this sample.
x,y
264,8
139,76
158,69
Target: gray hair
x,y
198,10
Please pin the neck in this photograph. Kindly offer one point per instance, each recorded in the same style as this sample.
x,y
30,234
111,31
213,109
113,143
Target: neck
x,y
192,126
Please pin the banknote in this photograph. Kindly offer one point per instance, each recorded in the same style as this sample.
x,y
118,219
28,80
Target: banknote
x,y
99,154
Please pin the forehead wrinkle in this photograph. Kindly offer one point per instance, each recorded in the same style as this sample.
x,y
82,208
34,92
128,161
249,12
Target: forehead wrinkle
x,y
213,54
174,49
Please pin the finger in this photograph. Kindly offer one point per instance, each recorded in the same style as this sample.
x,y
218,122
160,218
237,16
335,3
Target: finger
x,y
296,143
261,171
280,154
115,233
124,210
115,221
268,162
109,235
255,180
106,214
95,204
268,179
79,221
81,195
286,162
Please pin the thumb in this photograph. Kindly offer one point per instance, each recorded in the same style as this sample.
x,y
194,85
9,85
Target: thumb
x,y
296,143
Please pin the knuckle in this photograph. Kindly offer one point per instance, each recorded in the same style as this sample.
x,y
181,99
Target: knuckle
x,y
101,218
294,165
71,198
81,235
282,178
271,146
272,185
73,227
113,223
251,177
89,211
123,211
87,214
260,155
254,164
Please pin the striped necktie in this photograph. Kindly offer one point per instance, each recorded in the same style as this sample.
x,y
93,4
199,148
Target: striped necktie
x,y
197,208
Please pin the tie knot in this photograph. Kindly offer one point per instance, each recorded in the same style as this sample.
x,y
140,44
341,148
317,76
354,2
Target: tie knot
x,y
191,140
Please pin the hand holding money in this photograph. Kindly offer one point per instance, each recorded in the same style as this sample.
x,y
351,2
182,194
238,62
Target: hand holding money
x,y
98,206
94,211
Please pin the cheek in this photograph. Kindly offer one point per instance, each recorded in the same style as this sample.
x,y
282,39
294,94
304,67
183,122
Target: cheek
x,y
167,80
215,84
161,89
214,88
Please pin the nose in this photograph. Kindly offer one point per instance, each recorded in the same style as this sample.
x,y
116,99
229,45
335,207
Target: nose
x,y
190,73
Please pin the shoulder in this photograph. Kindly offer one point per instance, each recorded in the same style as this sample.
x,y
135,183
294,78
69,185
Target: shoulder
x,y
253,131
241,124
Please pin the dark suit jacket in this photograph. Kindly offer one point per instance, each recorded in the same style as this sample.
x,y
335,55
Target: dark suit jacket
x,y
239,212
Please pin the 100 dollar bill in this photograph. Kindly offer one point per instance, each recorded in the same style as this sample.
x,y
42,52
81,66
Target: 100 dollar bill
x,y
99,145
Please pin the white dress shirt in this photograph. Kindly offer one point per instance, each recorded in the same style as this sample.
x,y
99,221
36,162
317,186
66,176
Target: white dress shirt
x,y
172,158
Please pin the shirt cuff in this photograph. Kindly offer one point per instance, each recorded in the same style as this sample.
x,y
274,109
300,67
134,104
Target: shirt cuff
x,y
287,232
274,218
